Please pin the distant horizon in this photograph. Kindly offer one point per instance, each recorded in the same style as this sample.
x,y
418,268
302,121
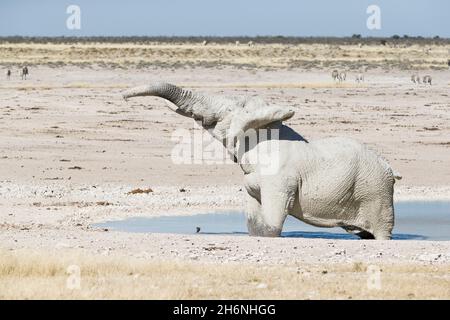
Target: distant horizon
x,y
232,18
393,37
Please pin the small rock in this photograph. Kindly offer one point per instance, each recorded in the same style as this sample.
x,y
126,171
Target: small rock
x,y
140,191
261,286
429,257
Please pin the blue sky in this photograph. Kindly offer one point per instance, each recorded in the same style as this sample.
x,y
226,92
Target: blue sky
x,y
225,18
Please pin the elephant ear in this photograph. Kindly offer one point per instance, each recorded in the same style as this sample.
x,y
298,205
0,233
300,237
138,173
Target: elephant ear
x,y
255,114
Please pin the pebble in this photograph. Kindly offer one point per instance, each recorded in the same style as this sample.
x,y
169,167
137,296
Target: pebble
x,y
430,257
261,286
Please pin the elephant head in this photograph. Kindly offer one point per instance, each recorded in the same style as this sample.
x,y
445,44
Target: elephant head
x,y
227,117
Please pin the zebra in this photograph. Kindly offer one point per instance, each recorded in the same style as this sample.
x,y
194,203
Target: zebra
x,y
342,76
426,80
335,75
8,74
360,77
415,78
24,73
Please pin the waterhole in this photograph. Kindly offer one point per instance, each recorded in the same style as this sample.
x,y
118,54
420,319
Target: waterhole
x,y
413,221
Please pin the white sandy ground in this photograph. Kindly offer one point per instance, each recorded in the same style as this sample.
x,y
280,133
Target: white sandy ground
x,y
52,217
70,117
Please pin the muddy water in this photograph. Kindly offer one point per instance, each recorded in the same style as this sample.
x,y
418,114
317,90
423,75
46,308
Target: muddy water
x,y
414,220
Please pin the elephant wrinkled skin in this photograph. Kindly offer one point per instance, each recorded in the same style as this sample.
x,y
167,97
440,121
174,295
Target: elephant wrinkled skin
x,y
333,182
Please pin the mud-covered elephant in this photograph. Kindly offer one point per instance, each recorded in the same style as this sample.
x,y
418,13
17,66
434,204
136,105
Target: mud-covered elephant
x,y
333,182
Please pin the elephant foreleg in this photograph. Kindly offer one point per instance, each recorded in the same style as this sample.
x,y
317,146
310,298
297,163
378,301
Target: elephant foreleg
x,y
256,224
265,218
254,219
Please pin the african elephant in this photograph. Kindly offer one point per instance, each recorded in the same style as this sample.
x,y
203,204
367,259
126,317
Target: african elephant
x,y
333,182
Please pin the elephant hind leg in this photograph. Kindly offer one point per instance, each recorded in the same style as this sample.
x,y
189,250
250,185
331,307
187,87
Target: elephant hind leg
x,y
375,221
362,234
382,228
380,219
365,235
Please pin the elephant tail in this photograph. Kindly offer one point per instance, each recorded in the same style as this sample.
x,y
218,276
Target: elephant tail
x,y
396,175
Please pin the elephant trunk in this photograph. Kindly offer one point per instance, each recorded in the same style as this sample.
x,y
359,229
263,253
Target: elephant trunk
x,y
190,104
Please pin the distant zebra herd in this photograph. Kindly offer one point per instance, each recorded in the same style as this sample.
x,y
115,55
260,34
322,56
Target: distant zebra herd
x,y
338,76
23,73
341,76
425,80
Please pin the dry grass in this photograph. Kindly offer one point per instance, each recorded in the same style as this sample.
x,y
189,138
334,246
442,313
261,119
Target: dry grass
x,y
44,275
123,55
